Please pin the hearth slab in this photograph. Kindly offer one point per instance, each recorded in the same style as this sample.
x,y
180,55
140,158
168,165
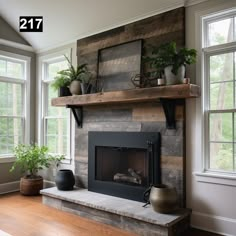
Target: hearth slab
x,y
126,214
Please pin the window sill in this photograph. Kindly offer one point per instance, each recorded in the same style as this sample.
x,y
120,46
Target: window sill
x,y
66,161
216,178
7,159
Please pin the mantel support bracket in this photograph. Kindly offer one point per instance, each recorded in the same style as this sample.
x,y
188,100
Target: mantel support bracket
x,y
78,114
169,110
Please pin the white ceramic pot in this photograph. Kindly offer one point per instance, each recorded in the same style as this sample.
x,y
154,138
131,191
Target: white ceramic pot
x,y
172,78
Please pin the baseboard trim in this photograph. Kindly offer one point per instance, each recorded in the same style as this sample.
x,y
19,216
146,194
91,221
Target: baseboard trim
x,y
10,187
212,223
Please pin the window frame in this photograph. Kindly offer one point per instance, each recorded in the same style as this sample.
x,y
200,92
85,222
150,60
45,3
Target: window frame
x,y
42,100
25,83
207,52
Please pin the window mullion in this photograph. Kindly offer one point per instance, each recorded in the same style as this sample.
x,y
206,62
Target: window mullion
x,y
233,148
234,36
233,114
45,105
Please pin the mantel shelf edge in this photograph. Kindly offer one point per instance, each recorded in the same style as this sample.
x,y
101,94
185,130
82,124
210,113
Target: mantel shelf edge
x,y
180,91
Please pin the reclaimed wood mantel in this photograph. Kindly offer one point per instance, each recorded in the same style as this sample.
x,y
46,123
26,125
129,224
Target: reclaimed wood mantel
x,y
129,96
166,94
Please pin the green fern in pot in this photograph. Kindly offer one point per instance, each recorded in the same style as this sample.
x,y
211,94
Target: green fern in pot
x,y
71,77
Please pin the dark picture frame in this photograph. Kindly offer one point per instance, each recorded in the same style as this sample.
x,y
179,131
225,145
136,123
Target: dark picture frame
x,y
118,64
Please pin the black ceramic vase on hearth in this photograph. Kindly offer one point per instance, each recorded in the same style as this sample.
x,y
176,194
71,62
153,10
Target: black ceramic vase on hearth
x,y
65,180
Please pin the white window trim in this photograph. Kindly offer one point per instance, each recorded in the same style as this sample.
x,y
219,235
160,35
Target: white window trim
x,y
203,175
27,120
51,57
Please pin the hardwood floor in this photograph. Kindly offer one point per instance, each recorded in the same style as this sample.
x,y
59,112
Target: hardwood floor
x,y
27,216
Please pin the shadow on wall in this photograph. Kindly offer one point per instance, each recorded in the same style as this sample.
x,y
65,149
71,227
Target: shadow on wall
x,y
198,218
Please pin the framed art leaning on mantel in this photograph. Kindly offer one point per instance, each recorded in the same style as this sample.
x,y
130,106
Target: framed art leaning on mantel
x,y
117,65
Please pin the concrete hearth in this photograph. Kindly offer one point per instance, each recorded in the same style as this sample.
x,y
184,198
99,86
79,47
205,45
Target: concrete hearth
x,y
125,214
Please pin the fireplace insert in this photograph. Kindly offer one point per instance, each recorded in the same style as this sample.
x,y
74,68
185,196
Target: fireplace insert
x,y
123,164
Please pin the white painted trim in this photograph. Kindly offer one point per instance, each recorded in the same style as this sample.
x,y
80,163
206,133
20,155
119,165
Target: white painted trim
x,y
193,2
14,55
10,187
164,8
212,223
16,45
27,104
216,178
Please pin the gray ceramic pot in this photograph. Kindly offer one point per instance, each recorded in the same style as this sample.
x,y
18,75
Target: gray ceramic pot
x,y
172,78
75,87
163,199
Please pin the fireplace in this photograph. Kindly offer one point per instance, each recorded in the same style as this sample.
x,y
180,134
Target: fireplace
x,y
123,164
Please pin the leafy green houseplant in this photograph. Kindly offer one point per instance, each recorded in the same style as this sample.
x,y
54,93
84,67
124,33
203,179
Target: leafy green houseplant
x,y
76,76
67,77
170,61
30,159
61,83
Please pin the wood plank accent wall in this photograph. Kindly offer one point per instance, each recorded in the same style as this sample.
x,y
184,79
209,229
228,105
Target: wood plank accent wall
x,y
139,116
155,30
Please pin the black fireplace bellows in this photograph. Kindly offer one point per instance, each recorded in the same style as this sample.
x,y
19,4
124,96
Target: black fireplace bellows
x,y
123,164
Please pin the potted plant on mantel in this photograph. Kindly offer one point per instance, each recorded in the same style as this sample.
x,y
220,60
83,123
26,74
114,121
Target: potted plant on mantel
x,y
170,61
71,78
30,159
61,83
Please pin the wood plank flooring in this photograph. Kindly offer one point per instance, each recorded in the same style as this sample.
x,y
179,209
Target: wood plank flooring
x,y
27,216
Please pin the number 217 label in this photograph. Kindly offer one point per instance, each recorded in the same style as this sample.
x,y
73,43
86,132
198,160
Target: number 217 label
x,y
31,24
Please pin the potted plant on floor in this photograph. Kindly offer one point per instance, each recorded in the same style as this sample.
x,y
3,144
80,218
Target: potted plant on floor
x,y
30,159
170,61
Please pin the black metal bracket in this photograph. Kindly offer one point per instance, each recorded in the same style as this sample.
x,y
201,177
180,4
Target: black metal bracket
x,y
78,114
169,110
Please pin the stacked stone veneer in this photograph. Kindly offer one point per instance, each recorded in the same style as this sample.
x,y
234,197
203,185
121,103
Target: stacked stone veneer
x,y
136,117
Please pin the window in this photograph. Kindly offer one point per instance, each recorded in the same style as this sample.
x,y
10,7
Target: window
x,y
56,127
14,108
219,91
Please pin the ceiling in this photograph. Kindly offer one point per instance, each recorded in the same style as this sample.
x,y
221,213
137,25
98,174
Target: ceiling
x,y
65,21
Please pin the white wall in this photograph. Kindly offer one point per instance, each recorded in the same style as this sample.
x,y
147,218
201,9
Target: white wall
x,y
211,199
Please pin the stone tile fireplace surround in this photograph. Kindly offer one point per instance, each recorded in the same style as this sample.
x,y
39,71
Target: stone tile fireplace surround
x,y
145,117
